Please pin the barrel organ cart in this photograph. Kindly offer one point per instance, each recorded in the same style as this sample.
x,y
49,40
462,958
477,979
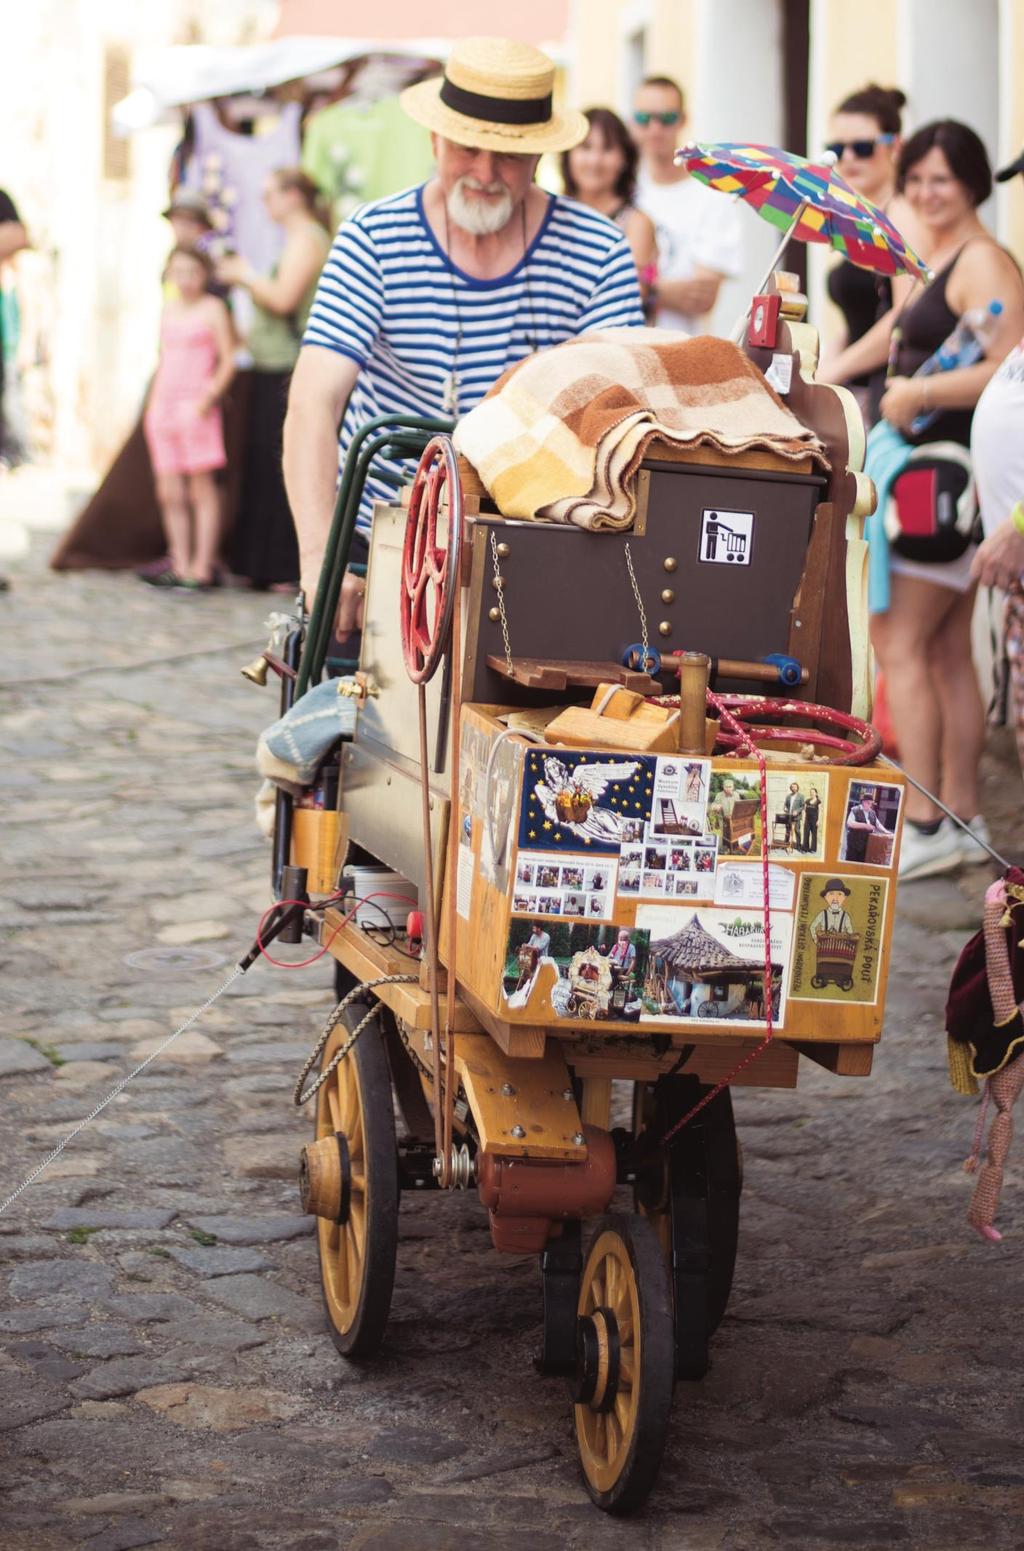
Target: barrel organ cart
x,y
587,805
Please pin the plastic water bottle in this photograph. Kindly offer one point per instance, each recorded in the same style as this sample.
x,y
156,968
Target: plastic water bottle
x,y
965,345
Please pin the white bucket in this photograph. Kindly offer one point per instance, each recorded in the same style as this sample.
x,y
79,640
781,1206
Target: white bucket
x,y
365,882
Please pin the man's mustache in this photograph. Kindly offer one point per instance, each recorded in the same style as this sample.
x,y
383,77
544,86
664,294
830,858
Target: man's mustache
x,y
494,187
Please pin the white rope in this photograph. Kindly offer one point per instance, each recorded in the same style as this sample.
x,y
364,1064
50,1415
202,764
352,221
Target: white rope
x,y
508,732
55,1154
884,758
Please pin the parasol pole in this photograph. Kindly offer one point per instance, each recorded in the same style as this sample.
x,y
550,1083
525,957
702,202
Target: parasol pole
x,y
741,322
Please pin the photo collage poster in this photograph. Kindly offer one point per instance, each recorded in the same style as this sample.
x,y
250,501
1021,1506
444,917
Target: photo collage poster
x,y
683,843
709,964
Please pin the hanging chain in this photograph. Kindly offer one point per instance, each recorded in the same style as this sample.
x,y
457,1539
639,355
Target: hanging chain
x,y
499,587
644,666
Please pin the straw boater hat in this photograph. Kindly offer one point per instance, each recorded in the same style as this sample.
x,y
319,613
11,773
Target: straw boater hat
x,y
496,95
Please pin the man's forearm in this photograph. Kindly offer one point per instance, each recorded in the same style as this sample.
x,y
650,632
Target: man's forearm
x,y
695,296
310,478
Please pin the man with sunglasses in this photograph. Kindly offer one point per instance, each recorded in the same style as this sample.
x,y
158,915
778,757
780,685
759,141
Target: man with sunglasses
x,y
699,242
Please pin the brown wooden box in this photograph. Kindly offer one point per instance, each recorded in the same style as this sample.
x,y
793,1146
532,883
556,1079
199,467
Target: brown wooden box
x,y
718,949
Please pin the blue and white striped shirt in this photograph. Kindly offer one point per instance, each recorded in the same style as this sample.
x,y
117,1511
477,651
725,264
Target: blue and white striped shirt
x,y
390,299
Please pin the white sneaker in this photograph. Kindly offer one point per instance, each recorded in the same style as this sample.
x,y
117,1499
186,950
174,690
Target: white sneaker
x,y
971,853
923,855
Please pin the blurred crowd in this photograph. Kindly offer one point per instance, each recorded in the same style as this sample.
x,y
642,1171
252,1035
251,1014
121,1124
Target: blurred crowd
x,y
197,499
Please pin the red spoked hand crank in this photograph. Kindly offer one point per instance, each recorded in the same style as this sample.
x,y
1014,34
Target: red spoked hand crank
x,y
429,569
751,711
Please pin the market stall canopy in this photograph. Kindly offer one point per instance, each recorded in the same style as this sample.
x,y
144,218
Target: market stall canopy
x,y
170,78
541,22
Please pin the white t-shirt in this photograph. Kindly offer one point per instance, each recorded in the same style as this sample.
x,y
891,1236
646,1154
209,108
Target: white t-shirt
x,y
997,442
696,228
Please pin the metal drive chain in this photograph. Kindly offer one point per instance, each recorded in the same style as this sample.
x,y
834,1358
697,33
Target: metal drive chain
x,y
299,1097
55,1154
640,605
499,587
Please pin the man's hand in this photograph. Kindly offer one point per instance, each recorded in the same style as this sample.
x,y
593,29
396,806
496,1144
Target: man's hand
x,y
350,604
999,561
695,296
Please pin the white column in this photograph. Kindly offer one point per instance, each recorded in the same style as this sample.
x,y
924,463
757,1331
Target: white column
x,y
737,95
950,66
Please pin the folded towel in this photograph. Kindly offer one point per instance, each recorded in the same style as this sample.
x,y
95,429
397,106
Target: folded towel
x,y
290,752
886,458
561,434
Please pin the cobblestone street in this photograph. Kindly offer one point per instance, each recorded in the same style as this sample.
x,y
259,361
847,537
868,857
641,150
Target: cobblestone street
x,y
167,1378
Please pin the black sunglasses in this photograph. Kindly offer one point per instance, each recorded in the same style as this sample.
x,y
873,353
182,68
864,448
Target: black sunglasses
x,y
671,117
861,148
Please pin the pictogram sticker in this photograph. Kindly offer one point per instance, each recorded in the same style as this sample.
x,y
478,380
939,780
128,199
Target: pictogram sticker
x,y
726,538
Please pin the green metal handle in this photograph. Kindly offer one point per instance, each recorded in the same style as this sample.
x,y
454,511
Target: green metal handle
x,y
392,435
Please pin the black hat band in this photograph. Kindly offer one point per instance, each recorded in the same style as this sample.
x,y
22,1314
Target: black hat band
x,y
496,110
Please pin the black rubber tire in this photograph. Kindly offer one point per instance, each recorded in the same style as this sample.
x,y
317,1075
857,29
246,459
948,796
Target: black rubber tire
x,y
713,1212
655,1376
360,1335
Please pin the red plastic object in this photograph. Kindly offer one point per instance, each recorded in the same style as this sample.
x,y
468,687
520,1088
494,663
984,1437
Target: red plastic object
x,y
414,926
763,328
916,502
429,572
882,719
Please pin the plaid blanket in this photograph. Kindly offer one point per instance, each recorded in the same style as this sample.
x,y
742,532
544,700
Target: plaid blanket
x,y
561,434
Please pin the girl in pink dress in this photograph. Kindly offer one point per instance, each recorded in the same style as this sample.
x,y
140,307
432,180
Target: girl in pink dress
x,y
183,418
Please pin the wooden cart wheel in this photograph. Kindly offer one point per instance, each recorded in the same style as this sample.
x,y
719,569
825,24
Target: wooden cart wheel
x,y
624,1368
690,1193
357,1256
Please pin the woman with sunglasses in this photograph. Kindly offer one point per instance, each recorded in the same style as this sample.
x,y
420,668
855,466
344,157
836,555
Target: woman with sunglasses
x,y
601,174
865,140
922,635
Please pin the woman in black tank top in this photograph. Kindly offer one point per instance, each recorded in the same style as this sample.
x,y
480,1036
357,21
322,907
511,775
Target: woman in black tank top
x,y
865,139
923,640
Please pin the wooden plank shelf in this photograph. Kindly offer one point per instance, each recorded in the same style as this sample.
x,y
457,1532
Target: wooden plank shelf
x,y
536,673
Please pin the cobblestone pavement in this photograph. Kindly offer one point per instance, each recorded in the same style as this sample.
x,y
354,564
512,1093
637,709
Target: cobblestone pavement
x,y
166,1378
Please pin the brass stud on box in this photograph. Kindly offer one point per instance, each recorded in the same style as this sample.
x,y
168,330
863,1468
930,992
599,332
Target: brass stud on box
x,y
494,615
670,563
504,550
667,595
665,628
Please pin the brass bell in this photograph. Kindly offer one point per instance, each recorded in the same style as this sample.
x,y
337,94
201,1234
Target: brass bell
x,y
257,670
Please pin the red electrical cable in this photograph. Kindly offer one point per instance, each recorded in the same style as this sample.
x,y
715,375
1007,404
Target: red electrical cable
x,y
323,904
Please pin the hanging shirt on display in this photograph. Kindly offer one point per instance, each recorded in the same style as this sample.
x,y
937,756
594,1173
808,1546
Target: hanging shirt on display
x,y
357,152
229,170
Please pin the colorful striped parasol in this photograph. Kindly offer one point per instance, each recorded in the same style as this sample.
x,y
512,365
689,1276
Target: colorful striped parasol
x,y
806,200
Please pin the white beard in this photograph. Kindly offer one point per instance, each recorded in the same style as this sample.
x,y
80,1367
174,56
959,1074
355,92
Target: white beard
x,y
478,217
